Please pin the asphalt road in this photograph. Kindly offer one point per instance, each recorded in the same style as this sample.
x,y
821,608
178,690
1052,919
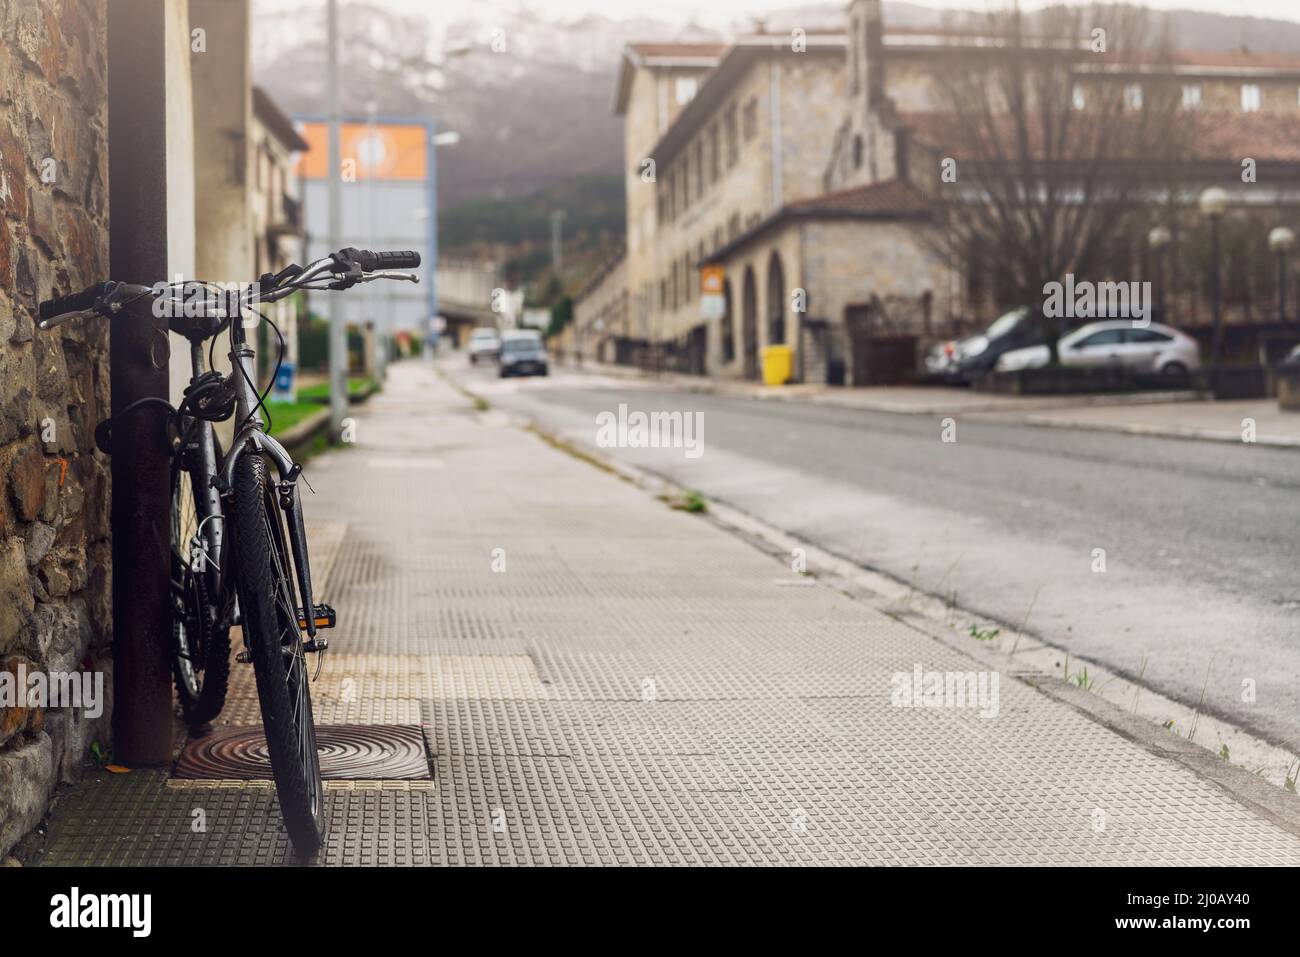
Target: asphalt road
x,y
1200,587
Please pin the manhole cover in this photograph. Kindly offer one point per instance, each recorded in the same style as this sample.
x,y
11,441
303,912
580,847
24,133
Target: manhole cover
x,y
348,752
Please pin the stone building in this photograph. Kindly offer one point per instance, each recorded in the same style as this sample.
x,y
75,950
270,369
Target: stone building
x,y
801,166
55,565
146,105
600,328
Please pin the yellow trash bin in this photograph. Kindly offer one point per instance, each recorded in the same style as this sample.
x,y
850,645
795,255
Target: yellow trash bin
x,y
778,361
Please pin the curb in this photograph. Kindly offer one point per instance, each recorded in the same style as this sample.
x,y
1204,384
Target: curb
x,y
302,433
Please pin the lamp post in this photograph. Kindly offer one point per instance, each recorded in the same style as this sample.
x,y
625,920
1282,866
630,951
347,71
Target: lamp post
x,y
1158,239
1213,203
1281,240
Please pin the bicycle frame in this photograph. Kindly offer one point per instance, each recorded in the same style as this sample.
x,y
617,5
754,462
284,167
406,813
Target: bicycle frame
x,y
216,478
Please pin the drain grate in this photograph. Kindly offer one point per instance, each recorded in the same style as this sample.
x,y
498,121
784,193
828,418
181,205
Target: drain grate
x,y
348,752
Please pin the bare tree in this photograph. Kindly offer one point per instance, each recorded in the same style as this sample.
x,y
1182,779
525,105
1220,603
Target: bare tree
x,y
1062,130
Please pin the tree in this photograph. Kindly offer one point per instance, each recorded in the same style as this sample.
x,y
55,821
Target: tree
x,y
1053,143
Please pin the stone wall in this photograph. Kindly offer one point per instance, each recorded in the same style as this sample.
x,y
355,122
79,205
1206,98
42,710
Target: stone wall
x,y
55,612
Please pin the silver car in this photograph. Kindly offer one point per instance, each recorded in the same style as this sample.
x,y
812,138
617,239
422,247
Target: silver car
x,y
1150,348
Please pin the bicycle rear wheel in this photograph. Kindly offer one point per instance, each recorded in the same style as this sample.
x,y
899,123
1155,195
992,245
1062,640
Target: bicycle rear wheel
x,y
270,620
200,645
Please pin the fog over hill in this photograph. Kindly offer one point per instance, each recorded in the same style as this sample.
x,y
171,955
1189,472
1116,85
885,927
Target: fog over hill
x,y
537,111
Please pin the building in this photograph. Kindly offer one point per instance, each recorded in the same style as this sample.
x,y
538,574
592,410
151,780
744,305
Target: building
x,y
276,212
805,167
387,200
132,147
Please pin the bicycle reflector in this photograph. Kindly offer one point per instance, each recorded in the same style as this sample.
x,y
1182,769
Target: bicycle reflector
x,y
323,618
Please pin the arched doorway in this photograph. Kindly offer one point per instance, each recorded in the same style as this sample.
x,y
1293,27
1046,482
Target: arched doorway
x,y
728,325
775,301
749,324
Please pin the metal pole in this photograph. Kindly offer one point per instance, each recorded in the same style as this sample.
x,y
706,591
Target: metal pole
x,y
138,358
1216,292
338,330
1281,285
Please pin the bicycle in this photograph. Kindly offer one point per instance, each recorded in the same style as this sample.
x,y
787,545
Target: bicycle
x,y
256,573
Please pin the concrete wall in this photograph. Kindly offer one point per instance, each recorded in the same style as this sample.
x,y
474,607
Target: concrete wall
x,y
55,562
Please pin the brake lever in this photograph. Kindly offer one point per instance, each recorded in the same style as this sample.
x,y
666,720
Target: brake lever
x,y
389,274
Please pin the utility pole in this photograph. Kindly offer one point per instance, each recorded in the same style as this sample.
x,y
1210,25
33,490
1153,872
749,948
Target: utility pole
x,y
338,330
557,218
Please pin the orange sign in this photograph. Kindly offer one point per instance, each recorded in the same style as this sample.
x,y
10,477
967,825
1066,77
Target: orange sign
x,y
381,151
711,280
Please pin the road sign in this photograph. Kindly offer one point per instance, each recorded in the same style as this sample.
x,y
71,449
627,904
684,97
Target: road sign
x,y
713,304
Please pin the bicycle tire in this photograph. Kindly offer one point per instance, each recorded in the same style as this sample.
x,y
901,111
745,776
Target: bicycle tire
x,y
262,578
200,644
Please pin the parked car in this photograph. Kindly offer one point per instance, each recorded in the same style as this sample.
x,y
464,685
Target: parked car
x,y
485,344
966,360
1153,348
522,353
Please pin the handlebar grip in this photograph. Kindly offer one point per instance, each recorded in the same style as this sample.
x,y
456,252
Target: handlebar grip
x,y
76,302
371,261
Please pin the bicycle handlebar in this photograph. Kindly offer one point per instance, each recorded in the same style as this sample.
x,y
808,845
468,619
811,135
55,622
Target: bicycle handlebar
x,y
372,261
53,312
75,302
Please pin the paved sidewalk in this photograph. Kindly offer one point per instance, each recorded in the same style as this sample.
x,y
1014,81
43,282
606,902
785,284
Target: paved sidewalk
x,y
600,679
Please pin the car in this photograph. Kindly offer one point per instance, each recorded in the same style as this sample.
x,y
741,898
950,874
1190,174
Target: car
x,y
1118,342
522,353
485,344
969,359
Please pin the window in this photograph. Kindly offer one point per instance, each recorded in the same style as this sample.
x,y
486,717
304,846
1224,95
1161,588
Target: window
x,y
1191,96
733,147
699,168
1133,96
1250,97
1107,337
857,152
686,181
1147,335
715,154
684,89
1078,97
751,119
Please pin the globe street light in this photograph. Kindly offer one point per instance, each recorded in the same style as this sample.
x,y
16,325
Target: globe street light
x,y
1159,239
1281,240
1213,203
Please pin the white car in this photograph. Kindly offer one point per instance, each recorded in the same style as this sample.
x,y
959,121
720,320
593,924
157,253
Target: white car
x,y
484,343
1150,348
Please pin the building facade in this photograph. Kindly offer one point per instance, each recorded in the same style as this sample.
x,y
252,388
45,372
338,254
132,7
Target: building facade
x,y
805,167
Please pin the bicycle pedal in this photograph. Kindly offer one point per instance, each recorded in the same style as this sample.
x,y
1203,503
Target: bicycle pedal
x,y
244,657
324,617
315,644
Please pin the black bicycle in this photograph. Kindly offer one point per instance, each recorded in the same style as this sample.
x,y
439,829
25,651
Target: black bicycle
x,y
255,573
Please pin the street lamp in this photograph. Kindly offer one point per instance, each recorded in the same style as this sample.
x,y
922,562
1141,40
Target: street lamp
x,y
1281,240
1159,239
1213,203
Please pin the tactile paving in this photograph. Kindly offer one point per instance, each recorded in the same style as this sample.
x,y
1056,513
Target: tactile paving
x,y
601,680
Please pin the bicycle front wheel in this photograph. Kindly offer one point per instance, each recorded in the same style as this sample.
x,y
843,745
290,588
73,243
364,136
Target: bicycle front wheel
x,y
270,620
